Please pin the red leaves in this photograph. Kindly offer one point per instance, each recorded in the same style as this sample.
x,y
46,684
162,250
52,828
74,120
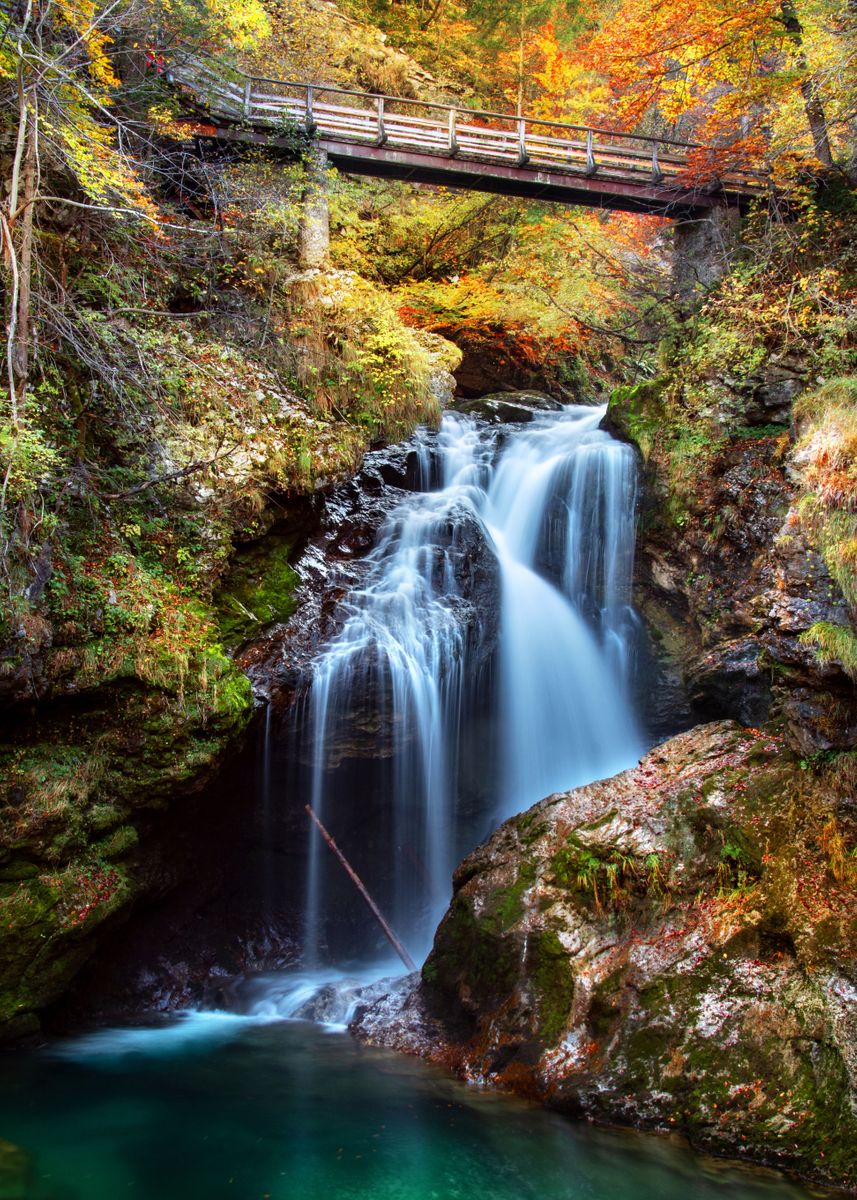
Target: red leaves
x,y
93,886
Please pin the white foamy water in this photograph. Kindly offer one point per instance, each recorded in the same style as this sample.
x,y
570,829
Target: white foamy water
x,y
555,505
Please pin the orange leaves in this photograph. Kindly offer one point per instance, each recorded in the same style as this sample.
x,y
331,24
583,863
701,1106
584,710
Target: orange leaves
x,y
727,73
708,163
569,89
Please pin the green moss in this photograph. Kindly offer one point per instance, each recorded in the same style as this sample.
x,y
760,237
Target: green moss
x,y
70,811
759,431
469,949
16,870
552,982
119,843
258,591
529,829
47,923
833,644
636,410
506,905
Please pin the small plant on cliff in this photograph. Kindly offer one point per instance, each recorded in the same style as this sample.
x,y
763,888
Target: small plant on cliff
x,y
826,454
733,868
612,877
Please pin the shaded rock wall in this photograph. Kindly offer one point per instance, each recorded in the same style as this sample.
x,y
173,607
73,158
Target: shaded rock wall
x,y
702,249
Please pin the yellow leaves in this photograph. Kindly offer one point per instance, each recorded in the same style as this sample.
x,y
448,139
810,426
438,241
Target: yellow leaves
x,y
239,26
163,121
86,18
89,149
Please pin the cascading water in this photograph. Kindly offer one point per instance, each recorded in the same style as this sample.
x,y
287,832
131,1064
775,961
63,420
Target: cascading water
x,y
553,508
560,512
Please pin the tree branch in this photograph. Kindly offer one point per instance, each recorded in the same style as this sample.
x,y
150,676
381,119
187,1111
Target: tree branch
x,y
170,477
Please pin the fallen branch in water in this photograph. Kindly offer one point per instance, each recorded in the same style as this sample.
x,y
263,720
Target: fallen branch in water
x,y
355,879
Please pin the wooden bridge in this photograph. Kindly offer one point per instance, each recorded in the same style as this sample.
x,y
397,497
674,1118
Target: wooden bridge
x,y
422,142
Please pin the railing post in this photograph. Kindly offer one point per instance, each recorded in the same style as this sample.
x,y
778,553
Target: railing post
x,y
310,119
382,128
591,164
657,173
453,138
248,99
523,156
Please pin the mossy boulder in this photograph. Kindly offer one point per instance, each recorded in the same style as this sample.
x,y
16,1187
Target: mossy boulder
x,y
259,589
670,948
636,413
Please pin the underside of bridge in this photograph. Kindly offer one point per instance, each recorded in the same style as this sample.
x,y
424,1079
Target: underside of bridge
x,y
601,189
706,224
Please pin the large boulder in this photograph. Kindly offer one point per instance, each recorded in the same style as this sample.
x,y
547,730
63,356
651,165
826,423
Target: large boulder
x,y
671,948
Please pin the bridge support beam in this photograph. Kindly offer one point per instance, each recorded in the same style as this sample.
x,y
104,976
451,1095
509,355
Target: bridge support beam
x,y
314,226
703,246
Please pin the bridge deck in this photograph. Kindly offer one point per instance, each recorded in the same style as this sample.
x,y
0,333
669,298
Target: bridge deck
x,y
424,142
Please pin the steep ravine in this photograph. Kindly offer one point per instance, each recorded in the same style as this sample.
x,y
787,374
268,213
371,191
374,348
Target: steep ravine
x,y
671,948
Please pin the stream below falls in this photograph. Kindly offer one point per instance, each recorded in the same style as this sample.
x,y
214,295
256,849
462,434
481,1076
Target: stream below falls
x,y
216,1106
485,658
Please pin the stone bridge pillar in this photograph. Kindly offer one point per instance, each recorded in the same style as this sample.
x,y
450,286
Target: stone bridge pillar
x,y
314,226
702,249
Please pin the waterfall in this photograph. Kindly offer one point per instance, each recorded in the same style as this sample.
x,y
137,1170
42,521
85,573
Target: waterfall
x,y
483,663
560,511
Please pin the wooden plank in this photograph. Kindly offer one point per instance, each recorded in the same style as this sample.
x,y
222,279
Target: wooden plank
x,y
274,110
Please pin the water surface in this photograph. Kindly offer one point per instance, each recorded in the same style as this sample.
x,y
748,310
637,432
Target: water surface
x,y
216,1106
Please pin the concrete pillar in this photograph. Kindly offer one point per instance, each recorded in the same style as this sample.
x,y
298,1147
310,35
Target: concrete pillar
x,y
702,249
314,227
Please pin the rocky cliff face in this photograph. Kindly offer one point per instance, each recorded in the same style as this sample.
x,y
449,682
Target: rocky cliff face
x,y
739,572
671,948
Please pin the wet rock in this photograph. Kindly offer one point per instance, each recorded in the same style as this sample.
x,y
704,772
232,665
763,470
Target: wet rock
x,y
335,560
493,360
732,681
458,551
503,408
642,950
400,1018
775,389
330,559
730,593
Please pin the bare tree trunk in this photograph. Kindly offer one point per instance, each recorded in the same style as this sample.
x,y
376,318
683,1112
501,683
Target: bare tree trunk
x,y
21,364
809,88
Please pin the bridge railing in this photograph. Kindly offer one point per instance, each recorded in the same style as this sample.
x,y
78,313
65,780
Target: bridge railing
x,y
345,115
